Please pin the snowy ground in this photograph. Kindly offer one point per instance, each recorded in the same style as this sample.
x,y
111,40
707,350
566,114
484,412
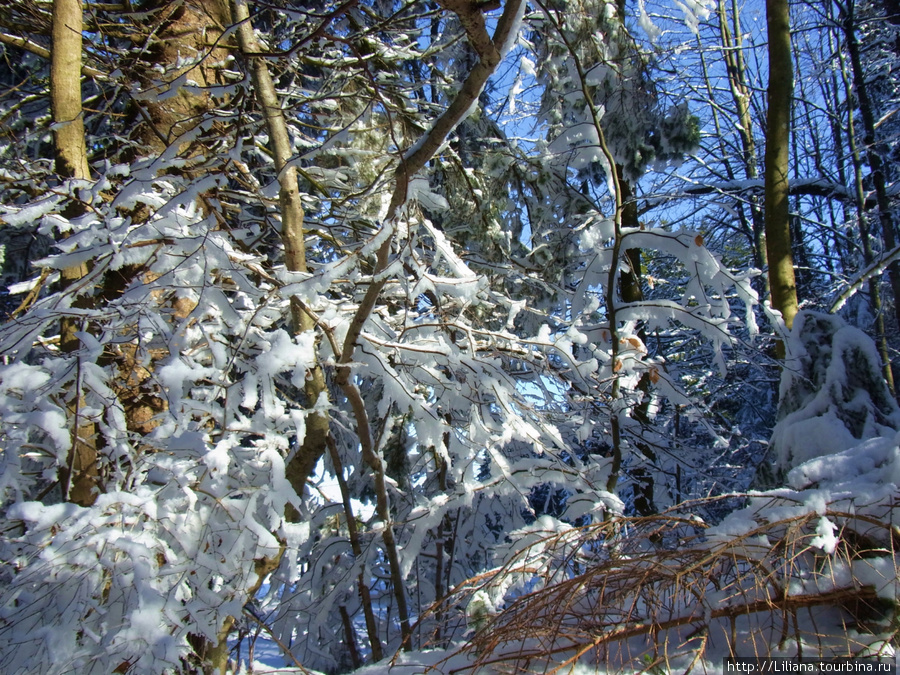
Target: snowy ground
x,y
268,660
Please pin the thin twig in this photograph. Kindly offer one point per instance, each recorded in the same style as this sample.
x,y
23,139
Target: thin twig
x,y
284,648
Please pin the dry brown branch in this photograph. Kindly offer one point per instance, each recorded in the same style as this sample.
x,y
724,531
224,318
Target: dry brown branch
x,y
667,592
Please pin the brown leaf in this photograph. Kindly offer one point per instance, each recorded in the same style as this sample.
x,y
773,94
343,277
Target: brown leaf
x,y
634,343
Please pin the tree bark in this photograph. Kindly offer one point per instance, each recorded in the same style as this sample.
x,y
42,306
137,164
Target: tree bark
x,y
65,90
365,596
778,120
631,291
177,33
488,50
78,478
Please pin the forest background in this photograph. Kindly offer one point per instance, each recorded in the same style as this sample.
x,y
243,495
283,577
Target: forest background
x,y
534,335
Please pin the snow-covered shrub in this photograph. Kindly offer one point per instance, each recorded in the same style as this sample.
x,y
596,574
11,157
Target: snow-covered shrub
x,y
833,392
192,496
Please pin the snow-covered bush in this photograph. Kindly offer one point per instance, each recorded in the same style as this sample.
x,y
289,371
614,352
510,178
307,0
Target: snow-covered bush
x,y
833,392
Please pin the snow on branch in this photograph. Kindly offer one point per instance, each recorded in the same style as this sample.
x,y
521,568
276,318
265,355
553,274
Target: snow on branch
x,y
812,187
873,270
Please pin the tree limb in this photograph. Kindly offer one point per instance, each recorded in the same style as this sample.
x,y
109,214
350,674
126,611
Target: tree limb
x,y
423,151
44,53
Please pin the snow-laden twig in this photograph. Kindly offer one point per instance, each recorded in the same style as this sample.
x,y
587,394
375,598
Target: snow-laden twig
x,y
869,272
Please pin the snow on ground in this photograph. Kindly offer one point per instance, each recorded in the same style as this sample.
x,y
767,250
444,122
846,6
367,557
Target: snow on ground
x,y
270,661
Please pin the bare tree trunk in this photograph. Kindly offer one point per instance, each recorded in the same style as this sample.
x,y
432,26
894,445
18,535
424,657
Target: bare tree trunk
x,y
874,151
362,586
778,234
79,477
865,233
176,39
630,290
740,93
298,470
303,463
65,90
488,49
178,33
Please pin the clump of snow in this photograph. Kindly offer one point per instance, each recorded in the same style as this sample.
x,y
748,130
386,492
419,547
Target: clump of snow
x,y
646,23
825,538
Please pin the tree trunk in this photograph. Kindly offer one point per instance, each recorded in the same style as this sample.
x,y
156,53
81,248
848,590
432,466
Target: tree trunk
x,y
875,152
740,94
303,463
179,39
365,596
630,290
78,478
778,234
862,219
65,90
